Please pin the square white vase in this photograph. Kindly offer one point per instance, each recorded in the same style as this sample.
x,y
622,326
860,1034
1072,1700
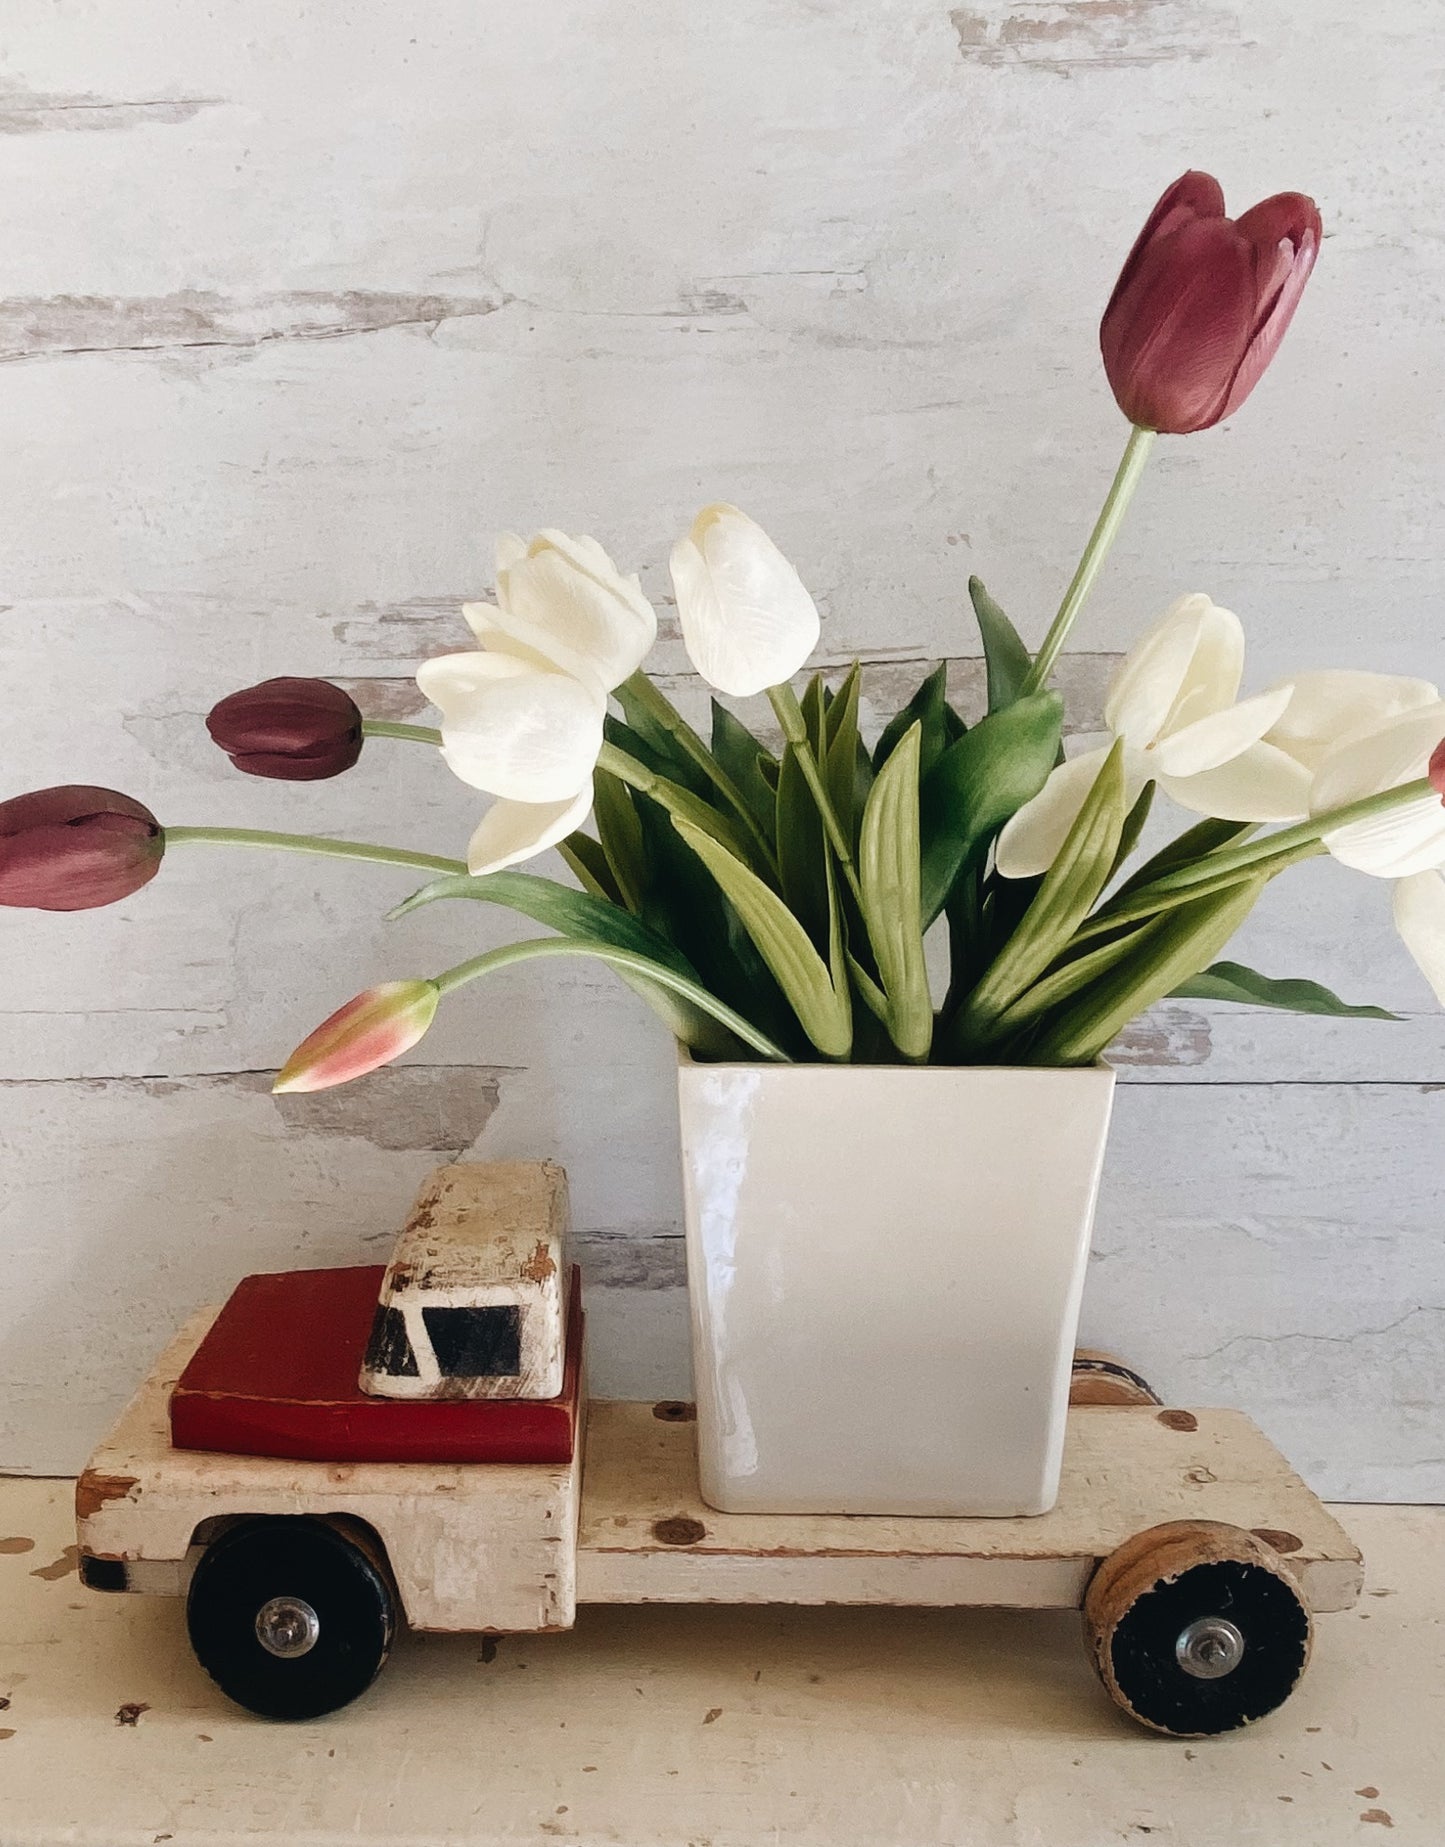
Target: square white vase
x,y
885,1265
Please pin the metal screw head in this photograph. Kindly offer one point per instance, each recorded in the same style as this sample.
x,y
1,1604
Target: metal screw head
x,y
287,1627
1209,1648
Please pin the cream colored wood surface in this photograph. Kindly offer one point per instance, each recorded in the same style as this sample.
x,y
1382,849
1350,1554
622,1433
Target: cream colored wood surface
x,y
670,1727
470,1548
647,1537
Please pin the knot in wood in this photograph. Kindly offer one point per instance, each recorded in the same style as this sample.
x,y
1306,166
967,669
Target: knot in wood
x,y
679,1530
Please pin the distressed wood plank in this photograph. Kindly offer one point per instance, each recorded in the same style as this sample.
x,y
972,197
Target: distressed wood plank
x,y
646,1535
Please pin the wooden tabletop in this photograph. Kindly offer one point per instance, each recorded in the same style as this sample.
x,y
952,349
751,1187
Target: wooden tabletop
x,y
664,1727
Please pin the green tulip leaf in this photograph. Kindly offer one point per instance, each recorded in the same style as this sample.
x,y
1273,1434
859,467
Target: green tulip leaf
x,y
930,709
587,862
1169,951
1063,900
1232,981
888,875
824,1012
741,758
977,784
1007,659
580,916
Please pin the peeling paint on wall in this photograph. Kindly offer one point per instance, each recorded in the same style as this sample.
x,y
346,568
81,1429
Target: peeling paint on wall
x,y
190,320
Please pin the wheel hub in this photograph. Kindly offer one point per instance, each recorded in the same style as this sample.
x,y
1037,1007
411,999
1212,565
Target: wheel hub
x,y
1209,1648
287,1627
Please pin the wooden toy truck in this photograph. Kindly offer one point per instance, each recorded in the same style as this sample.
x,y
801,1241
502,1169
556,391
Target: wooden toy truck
x,y
1197,1557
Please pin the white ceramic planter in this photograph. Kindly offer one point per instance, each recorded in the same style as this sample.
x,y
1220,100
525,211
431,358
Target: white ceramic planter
x,y
885,1266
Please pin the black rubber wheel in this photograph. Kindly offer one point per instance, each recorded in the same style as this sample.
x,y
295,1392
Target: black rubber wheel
x,y
1197,1629
289,1617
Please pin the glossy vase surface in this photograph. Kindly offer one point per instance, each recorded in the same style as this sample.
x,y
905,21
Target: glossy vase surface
x,y
885,1266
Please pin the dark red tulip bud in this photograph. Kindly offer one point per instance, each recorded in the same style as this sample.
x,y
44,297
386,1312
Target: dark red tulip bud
x,y
74,848
1437,770
290,730
1203,302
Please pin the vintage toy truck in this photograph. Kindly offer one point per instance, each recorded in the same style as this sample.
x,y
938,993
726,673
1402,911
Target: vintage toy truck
x,y
471,1487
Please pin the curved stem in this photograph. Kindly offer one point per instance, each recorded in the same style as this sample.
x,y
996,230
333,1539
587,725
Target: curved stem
x,y
667,717
1106,527
795,729
682,804
413,734
534,948
310,843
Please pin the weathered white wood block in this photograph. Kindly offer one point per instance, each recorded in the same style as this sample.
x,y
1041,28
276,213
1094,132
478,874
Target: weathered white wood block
x,y
472,1303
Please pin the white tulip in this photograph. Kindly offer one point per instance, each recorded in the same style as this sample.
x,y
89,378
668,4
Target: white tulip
x,y
513,831
1330,707
562,602
1174,702
747,621
517,731
1404,840
1420,919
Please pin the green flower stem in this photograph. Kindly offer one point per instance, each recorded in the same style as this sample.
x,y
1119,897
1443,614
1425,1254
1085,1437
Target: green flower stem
x,y
666,716
534,948
795,729
1106,528
681,804
1271,853
312,843
413,734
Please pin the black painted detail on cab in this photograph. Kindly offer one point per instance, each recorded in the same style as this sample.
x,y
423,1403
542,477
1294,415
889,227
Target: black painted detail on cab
x,y
476,1343
389,1349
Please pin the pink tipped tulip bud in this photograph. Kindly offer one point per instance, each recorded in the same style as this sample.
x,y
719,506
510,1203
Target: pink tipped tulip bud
x,y
1437,770
366,1033
1203,302
290,730
75,848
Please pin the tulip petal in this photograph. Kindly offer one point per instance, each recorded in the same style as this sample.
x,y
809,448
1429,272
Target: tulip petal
x,y
481,619
1420,918
1284,234
1404,840
1331,706
1212,681
510,832
1174,337
747,621
1193,195
566,600
1156,671
511,730
1030,840
1260,783
369,1031
1212,741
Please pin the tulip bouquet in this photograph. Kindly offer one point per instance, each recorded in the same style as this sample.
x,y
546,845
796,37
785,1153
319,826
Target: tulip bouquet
x,y
772,903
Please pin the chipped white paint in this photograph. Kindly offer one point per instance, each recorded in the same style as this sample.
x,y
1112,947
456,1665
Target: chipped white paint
x,y
298,313
470,1547
482,1234
647,1536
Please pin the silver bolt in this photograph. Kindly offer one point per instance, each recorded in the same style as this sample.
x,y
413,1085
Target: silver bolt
x,y
1209,1648
287,1628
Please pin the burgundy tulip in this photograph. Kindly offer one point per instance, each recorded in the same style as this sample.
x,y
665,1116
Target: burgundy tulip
x,y
74,848
1203,302
1437,770
290,730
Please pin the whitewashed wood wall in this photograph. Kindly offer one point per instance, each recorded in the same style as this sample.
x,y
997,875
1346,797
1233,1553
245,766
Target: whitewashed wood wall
x,y
303,302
